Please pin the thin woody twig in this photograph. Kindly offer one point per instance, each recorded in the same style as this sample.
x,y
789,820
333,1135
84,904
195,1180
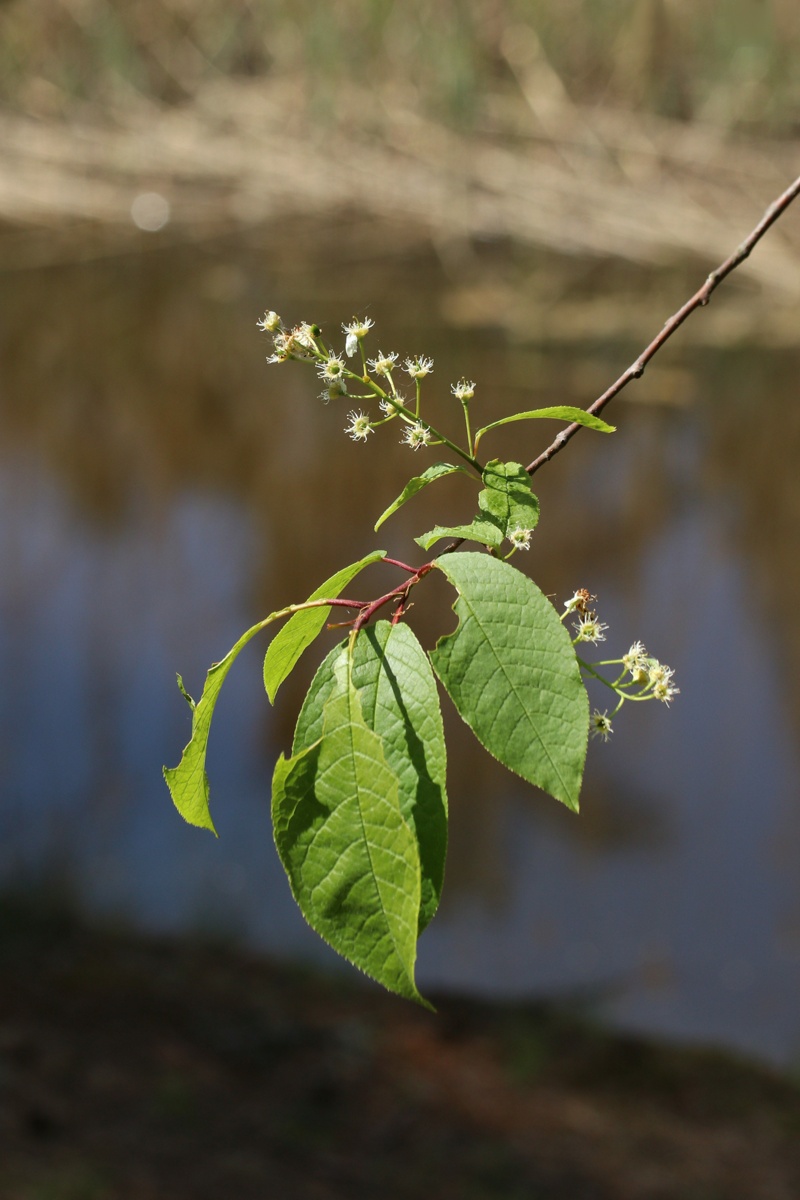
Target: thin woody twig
x,y
698,300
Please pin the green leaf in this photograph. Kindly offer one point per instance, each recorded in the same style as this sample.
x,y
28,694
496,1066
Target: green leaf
x,y
350,856
562,412
481,530
299,632
188,782
400,703
511,671
507,499
437,471
506,503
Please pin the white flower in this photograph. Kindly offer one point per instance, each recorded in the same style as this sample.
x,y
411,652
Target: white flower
x,y
387,408
665,691
418,367
359,427
636,661
269,322
332,369
464,390
335,388
383,364
601,725
661,678
416,435
590,629
355,331
282,343
520,538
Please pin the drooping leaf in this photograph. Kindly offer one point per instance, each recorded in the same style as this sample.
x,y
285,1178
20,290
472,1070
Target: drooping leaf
x,y
300,630
510,669
507,499
561,412
350,856
188,782
437,471
481,530
400,703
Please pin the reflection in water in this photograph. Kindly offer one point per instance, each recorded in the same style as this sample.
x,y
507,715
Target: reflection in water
x,y
162,488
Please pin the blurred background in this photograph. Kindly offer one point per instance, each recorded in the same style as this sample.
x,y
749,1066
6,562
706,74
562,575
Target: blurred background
x,y
524,191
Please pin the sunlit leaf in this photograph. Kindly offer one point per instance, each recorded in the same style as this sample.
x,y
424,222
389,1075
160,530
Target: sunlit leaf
x,y
400,703
188,782
561,412
481,530
507,499
511,672
350,856
437,471
300,630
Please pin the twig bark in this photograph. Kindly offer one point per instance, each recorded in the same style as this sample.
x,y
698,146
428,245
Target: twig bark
x,y
698,300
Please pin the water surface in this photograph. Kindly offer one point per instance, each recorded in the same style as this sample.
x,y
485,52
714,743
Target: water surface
x,y
163,488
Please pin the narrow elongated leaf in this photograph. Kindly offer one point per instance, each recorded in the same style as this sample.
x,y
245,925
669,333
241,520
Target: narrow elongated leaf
x,y
351,858
300,631
511,672
481,530
561,412
507,499
437,471
399,702
188,782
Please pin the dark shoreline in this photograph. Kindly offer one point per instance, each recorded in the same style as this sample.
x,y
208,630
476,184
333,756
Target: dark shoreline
x,y
134,1067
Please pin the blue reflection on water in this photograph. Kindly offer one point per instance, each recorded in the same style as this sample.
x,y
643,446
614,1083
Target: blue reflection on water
x,y
695,935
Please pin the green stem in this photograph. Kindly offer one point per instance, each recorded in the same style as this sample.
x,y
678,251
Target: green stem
x,y
465,407
402,411
596,674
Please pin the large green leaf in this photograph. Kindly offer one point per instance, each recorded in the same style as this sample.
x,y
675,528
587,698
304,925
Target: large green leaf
x,y
561,412
188,782
507,499
350,856
298,633
437,471
511,672
400,703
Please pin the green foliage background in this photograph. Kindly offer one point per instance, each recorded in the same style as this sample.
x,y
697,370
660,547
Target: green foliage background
x,y
727,61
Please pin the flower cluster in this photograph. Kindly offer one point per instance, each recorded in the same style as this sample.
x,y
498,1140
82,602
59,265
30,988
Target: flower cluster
x,y
373,379
642,677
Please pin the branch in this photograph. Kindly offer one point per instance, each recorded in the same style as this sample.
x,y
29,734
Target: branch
x,y
699,300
